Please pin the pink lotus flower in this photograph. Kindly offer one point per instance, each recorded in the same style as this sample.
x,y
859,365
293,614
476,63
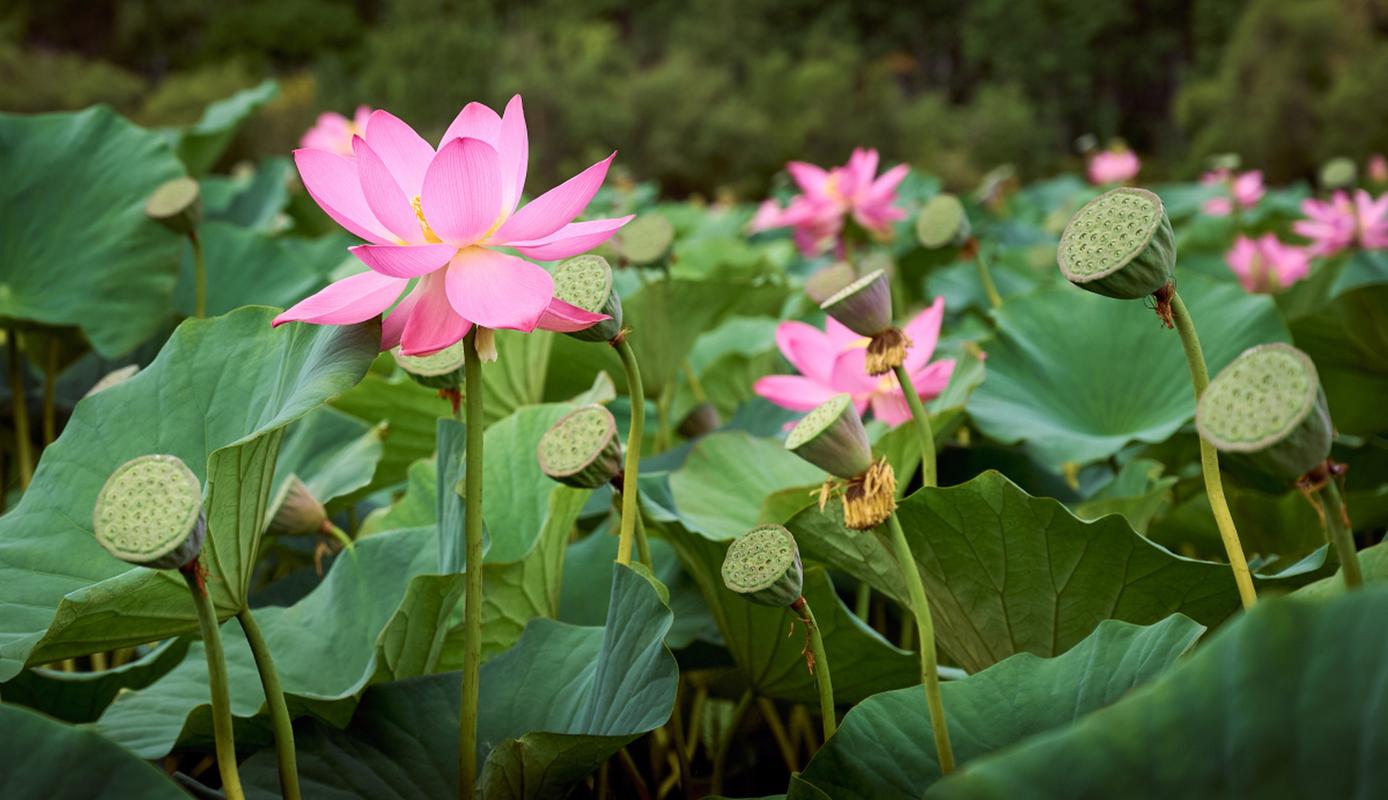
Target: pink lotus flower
x,y
334,132
1113,166
1340,223
1244,191
829,197
1378,169
1266,264
834,361
438,217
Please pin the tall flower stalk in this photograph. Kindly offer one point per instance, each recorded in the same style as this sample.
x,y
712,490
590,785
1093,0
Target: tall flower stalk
x,y
472,593
631,470
925,629
286,760
218,684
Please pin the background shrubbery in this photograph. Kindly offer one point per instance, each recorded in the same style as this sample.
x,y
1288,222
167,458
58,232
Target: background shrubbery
x,y
710,96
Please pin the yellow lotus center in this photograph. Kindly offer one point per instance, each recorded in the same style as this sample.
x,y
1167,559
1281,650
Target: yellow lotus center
x,y
887,383
429,235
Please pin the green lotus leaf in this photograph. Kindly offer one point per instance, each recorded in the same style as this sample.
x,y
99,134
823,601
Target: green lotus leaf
x,y
721,488
334,454
1079,376
1285,701
882,749
246,266
88,259
82,696
61,594
253,201
203,142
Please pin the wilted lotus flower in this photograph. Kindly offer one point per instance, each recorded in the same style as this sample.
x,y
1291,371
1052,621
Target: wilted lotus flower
x,y
1266,264
334,132
1113,166
829,197
439,217
1340,223
834,361
1244,191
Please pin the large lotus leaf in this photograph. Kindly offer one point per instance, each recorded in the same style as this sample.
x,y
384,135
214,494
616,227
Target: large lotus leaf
x,y
1009,573
1348,339
553,709
77,248
722,487
46,760
334,454
246,266
344,635
772,664
884,747
1287,701
218,396
251,201
203,142
82,696
1078,376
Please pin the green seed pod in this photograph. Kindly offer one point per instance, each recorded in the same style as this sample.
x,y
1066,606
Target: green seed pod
x,y
586,281
177,205
149,513
1339,173
582,449
702,419
439,370
942,222
646,239
1268,407
114,378
296,511
763,565
832,438
827,282
1120,244
863,306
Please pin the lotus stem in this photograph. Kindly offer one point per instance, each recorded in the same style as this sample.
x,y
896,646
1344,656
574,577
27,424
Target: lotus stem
x,y
1341,535
985,276
922,418
217,684
720,758
1209,457
778,732
631,469
279,709
340,535
696,387
199,276
681,746
23,452
821,666
50,392
643,545
863,603
930,676
472,599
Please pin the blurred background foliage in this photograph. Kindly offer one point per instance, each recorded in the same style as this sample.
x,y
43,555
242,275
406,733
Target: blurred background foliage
x,y
714,96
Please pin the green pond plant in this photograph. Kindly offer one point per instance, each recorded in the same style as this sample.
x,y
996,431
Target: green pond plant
x,y
832,437
1267,409
943,222
1121,245
177,205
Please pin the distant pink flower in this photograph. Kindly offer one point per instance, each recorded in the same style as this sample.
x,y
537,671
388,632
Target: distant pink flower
x,y
1266,264
333,132
1244,190
1378,168
829,197
1113,166
833,362
438,217
1340,223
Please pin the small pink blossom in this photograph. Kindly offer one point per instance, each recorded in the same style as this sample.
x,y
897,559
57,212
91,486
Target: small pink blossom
x,y
829,197
1113,166
333,132
834,361
1266,265
1378,169
438,217
1244,190
1341,222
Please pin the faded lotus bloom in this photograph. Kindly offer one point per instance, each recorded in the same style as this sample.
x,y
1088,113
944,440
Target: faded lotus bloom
x,y
1341,222
829,197
1244,190
1113,166
1267,265
834,361
438,217
333,132
1378,169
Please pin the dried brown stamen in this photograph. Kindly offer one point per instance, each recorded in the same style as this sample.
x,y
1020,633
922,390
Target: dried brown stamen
x,y
887,351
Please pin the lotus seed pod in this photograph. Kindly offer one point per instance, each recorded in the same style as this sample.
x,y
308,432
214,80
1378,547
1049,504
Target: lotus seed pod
x,y
942,222
582,449
1339,173
832,438
177,205
1120,244
763,565
827,282
702,419
586,281
1268,407
113,378
149,513
296,511
646,239
863,306
442,369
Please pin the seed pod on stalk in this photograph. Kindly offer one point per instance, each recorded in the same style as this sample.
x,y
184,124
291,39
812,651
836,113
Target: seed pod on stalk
x,y
149,513
586,282
865,307
582,449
